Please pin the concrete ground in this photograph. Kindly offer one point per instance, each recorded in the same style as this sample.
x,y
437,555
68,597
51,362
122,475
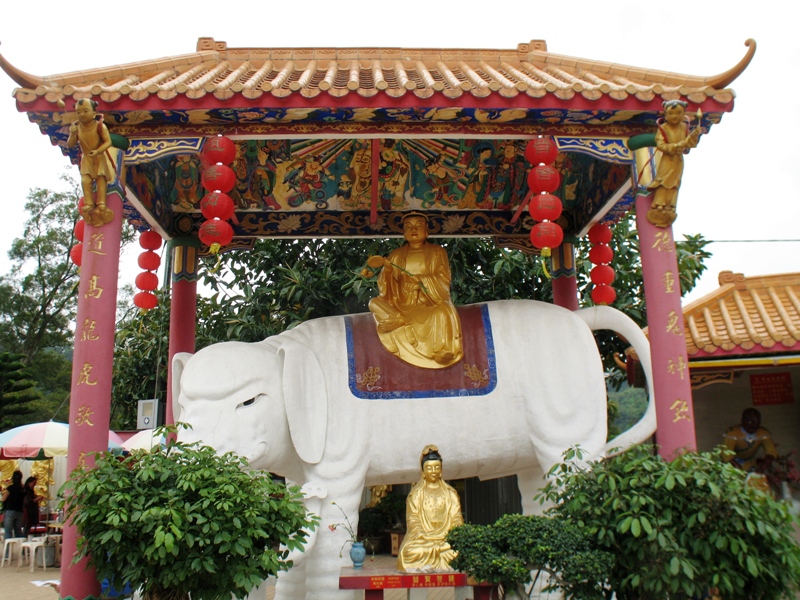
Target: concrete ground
x,y
16,584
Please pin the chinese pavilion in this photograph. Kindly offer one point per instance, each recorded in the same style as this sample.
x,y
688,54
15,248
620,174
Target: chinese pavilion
x,y
340,142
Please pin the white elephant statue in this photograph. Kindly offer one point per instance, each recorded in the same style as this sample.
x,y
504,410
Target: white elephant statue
x,y
285,403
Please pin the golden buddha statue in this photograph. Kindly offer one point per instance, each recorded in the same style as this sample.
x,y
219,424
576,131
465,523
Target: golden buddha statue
x,y
416,318
97,169
673,140
432,509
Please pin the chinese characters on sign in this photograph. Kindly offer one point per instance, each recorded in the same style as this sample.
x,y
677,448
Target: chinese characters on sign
x,y
680,408
771,388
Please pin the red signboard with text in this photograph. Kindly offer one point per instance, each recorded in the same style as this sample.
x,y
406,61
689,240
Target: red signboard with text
x,y
771,388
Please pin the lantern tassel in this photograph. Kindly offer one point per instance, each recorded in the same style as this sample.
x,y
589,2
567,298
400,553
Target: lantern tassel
x,y
218,265
545,255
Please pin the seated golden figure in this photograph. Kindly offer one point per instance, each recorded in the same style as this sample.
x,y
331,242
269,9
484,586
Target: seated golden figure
x,y
432,509
415,316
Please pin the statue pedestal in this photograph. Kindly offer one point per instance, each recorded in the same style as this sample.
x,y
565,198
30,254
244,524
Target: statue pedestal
x,y
374,579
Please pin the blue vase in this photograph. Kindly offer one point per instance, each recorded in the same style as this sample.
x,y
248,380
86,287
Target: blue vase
x,y
357,554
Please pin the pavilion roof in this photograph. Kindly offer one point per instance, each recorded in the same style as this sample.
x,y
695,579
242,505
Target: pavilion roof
x,y
745,315
250,73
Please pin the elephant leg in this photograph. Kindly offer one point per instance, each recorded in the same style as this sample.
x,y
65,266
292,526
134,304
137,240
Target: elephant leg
x,y
529,482
324,564
291,584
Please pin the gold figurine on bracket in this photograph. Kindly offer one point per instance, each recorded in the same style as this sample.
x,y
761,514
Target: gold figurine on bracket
x,y
97,168
433,508
415,317
673,140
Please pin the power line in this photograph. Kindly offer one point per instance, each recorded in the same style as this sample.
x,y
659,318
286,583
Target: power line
x,y
747,241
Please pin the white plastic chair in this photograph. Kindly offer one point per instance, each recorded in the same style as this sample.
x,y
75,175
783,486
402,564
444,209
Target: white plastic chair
x,y
28,549
10,547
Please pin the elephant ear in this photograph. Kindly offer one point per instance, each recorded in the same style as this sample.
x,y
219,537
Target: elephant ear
x,y
178,364
306,399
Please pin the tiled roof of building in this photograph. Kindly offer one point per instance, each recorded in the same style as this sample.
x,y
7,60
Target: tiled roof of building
x,y
745,315
529,70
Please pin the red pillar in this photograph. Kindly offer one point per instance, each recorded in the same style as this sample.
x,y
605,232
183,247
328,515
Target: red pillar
x,y
92,365
565,284
662,291
183,307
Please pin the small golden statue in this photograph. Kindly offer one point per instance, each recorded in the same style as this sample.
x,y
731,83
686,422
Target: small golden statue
x,y
673,140
432,509
97,168
416,318
379,492
7,468
42,470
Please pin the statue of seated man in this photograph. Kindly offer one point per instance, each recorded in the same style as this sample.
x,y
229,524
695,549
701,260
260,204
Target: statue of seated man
x,y
744,442
416,318
432,509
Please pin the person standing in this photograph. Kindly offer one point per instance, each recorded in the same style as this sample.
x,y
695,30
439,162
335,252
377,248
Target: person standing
x,y
13,497
30,505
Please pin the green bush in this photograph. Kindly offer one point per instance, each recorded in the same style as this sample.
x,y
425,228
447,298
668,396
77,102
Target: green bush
x,y
677,529
182,520
505,553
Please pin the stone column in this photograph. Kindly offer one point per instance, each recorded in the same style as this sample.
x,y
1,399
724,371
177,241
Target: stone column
x,y
565,284
183,306
92,365
662,291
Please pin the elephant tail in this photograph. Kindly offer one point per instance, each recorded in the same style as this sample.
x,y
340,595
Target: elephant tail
x,y
605,317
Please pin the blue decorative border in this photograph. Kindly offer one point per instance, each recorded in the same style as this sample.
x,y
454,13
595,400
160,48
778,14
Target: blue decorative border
x,y
490,355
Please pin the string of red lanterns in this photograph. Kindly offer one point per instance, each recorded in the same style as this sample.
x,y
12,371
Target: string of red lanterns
x,y
76,252
147,281
544,207
601,254
218,179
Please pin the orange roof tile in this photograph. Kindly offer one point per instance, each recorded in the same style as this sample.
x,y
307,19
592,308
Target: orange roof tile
x,y
252,72
746,315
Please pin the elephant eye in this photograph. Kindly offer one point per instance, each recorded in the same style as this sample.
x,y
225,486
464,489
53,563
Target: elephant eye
x,y
247,403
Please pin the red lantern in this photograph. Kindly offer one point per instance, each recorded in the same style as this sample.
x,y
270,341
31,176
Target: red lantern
x,y
603,294
218,150
149,261
602,275
600,234
217,205
546,235
541,150
145,300
80,229
81,202
601,254
150,240
147,281
218,178
216,234
76,254
544,178
545,207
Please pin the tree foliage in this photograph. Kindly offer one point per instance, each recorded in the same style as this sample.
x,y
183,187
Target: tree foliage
x,y
37,296
183,520
510,550
677,529
16,389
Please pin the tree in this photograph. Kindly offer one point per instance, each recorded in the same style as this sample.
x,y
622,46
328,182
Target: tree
x,y
37,296
679,528
16,389
183,520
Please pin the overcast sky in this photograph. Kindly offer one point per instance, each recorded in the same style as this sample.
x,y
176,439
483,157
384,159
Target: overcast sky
x,y
740,183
